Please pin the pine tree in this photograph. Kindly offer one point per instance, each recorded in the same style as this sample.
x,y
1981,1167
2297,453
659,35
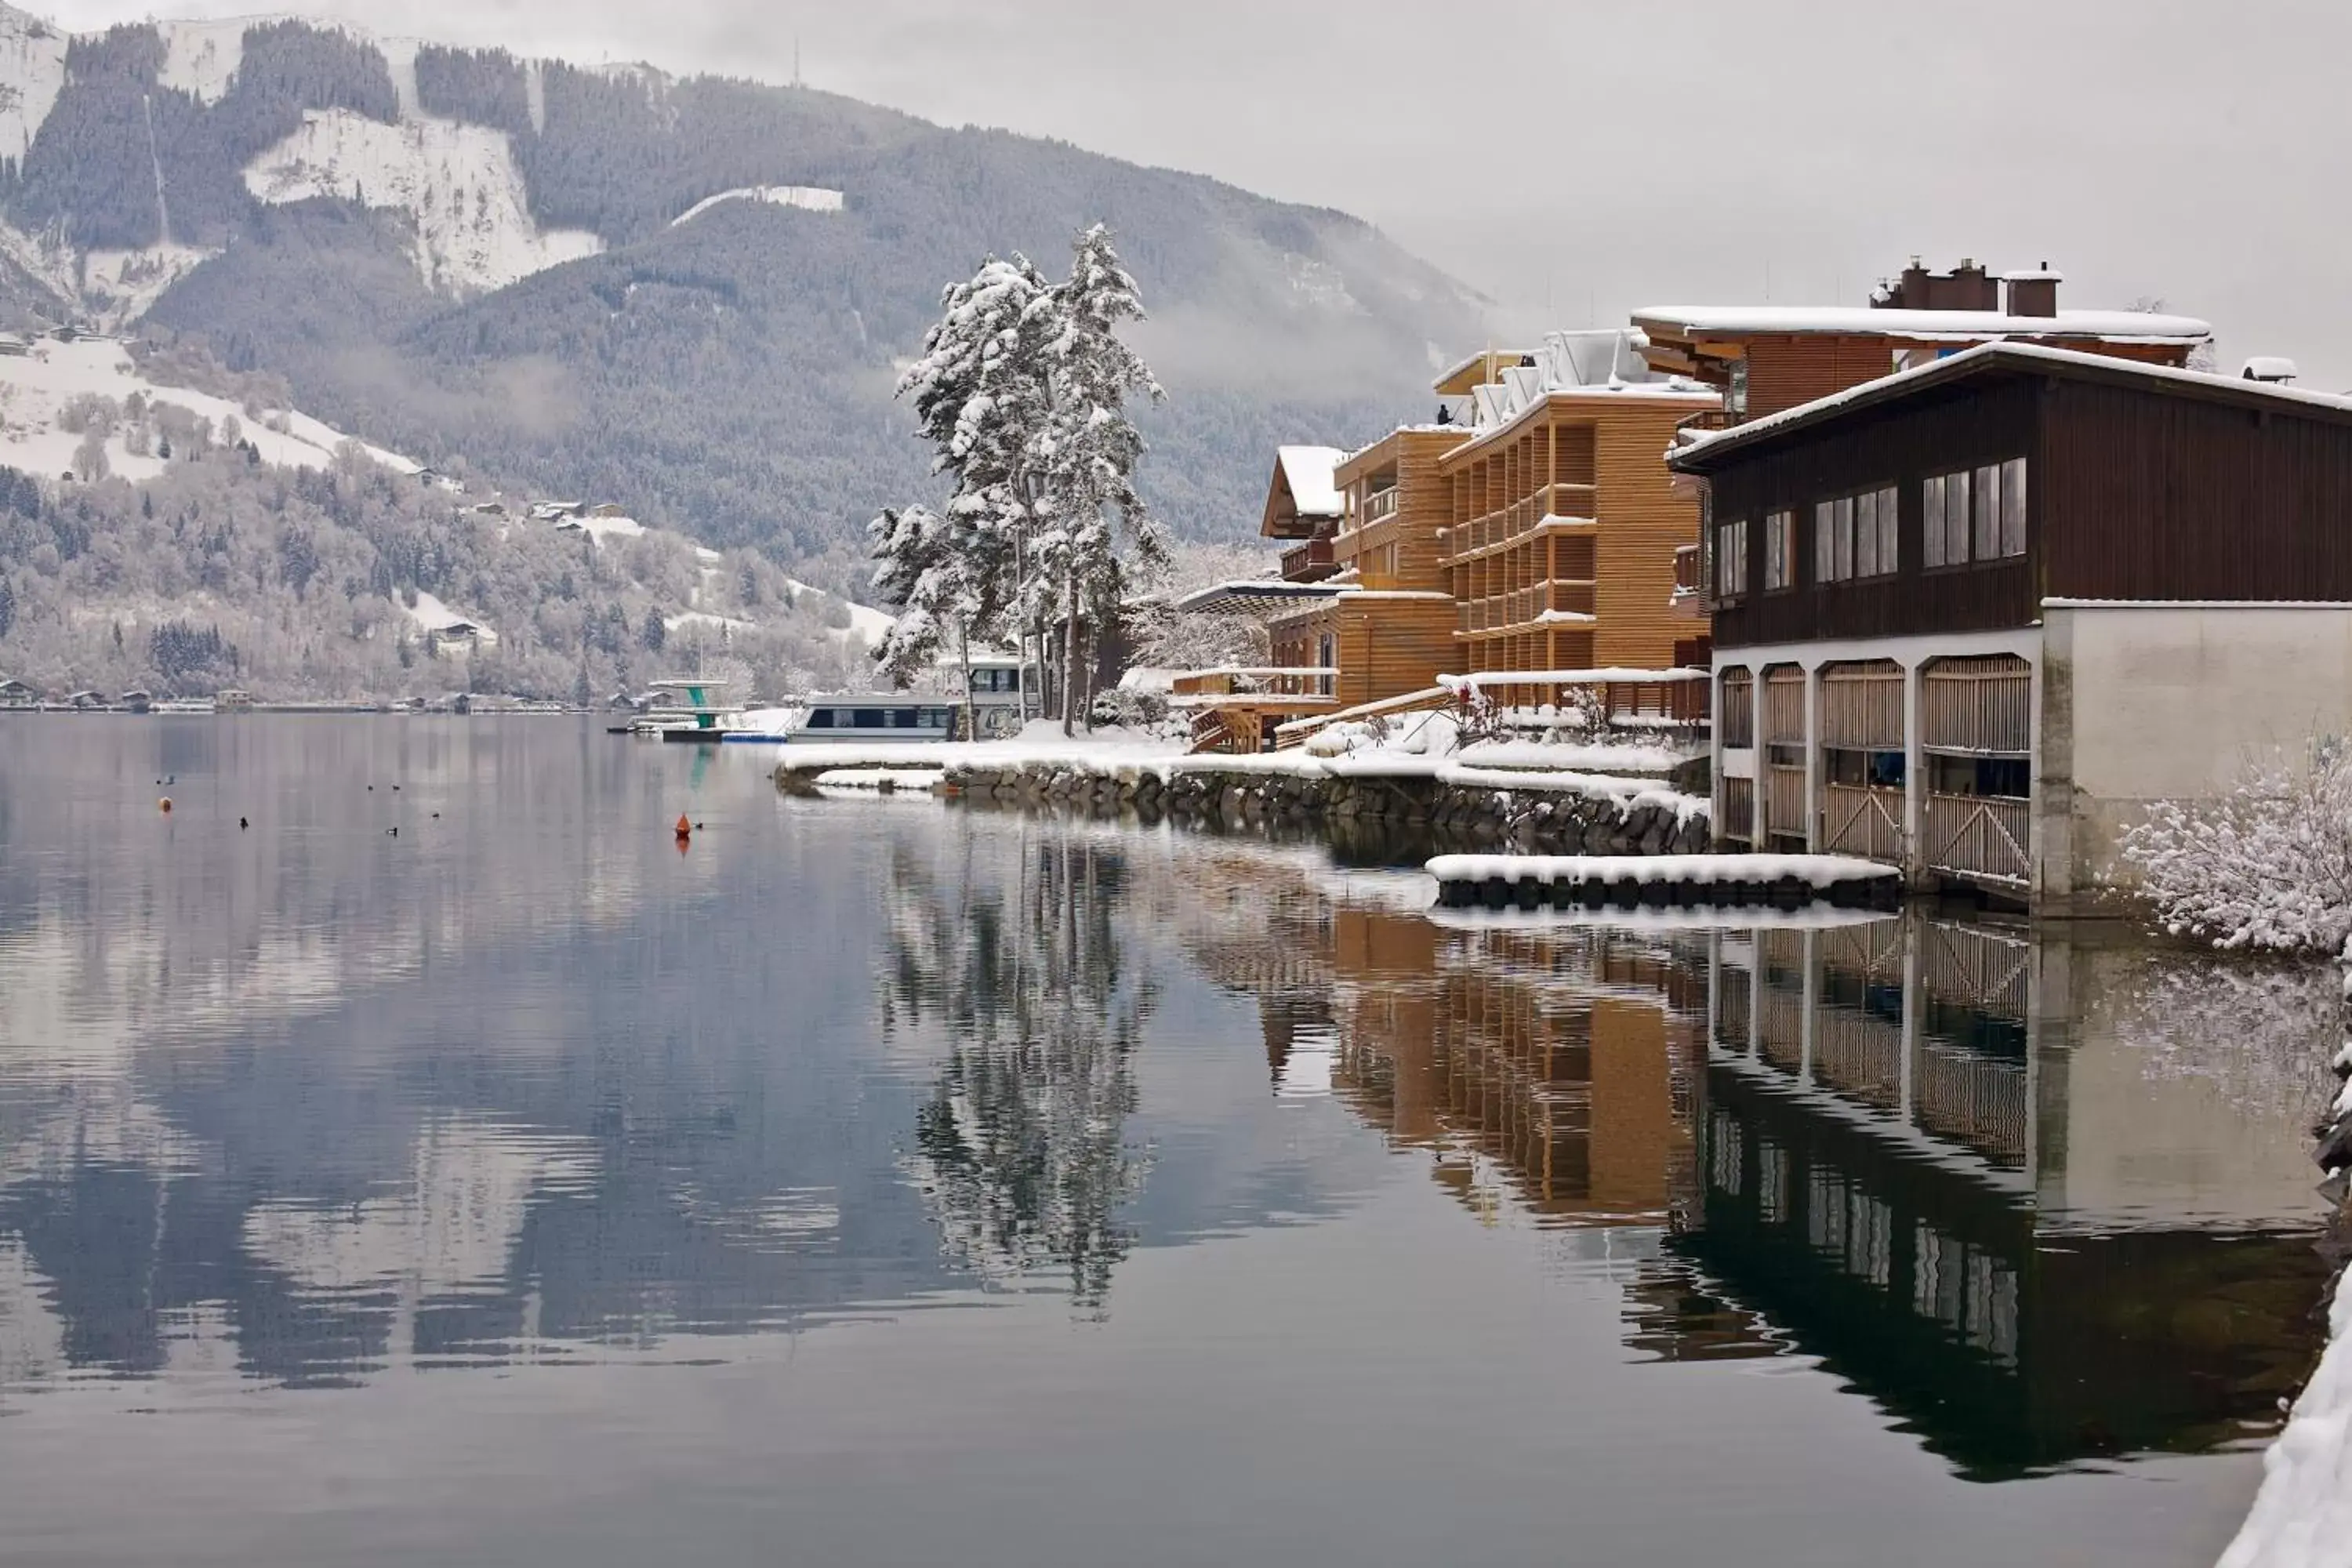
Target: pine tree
x,y
654,633
980,399
1084,454
7,606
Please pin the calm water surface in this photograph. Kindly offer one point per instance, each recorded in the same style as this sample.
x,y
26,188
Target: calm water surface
x,y
875,1182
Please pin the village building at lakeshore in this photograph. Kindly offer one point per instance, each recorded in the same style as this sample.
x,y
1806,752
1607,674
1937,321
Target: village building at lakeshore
x,y
1532,529
1974,617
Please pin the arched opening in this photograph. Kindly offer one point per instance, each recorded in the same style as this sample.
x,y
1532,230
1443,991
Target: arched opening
x,y
1862,740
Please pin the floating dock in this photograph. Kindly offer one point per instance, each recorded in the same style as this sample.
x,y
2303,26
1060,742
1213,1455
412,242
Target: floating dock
x,y
1658,881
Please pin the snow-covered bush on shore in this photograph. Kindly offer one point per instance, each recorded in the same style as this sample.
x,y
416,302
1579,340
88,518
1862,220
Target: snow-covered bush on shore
x,y
2268,866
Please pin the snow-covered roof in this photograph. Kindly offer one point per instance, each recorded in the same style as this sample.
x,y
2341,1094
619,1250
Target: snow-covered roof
x,y
1307,471
1925,326
1219,596
2034,274
1694,456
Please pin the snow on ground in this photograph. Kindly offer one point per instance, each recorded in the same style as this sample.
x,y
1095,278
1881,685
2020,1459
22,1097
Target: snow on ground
x,y
868,624
1820,872
459,183
603,528
706,619
201,58
808,198
431,615
1598,756
2302,1516
1112,751
32,65
121,285
33,386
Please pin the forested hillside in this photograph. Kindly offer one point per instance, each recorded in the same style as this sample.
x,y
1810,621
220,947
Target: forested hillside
x,y
387,227
341,582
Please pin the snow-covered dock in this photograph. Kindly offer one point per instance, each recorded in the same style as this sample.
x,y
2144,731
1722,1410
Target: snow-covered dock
x,y
1783,881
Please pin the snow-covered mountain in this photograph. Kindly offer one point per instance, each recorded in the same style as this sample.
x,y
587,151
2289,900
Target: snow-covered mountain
x,y
683,293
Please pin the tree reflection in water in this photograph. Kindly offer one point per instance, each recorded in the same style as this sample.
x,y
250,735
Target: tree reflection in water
x,y
1009,945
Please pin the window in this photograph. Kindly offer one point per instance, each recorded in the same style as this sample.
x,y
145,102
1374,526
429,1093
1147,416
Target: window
x,y
1944,531
1975,514
868,718
1731,559
1875,514
902,718
1834,539
820,719
2012,507
1987,487
1780,550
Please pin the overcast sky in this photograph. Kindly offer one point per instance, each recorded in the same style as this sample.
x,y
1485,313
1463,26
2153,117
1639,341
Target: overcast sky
x,y
1575,160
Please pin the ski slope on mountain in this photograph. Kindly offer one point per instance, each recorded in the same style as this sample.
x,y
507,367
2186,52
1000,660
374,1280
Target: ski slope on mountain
x,y
458,183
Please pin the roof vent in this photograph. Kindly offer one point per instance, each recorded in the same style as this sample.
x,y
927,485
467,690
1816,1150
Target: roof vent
x,y
2275,369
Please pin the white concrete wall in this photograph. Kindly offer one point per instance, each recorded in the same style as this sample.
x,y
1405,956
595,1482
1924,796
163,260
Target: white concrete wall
x,y
2170,702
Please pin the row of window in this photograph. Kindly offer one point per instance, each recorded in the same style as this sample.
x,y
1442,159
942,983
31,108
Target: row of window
x,y
1969,515
1991,497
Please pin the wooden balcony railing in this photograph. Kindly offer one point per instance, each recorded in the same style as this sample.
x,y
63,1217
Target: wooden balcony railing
x,y
1380,506
1526,606
1239,685
1665,697
1308,563
1515,521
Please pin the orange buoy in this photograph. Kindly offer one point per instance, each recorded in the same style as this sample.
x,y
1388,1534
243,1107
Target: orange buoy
x,y
164,805
685,828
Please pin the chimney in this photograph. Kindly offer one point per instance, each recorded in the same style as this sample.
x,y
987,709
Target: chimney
x,y
2277,370
1970,288
2032,293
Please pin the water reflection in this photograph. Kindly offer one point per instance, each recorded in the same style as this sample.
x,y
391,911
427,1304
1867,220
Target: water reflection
x,y
2038,1197
1015,961
299,1106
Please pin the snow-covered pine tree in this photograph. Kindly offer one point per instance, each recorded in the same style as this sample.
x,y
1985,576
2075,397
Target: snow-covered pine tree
x,y
980,399
938,570
1084,454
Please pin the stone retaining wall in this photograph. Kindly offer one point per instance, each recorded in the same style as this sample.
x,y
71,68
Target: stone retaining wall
x,y
1536,821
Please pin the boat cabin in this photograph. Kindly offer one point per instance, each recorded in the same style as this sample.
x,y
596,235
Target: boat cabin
x,y
894,719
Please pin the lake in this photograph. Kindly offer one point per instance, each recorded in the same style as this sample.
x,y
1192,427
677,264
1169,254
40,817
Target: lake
x,y
877,1182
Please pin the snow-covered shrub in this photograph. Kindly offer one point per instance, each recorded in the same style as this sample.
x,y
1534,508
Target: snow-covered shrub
x,y
2268,866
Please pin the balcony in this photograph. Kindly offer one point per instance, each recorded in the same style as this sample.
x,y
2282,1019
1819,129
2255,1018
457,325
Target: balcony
x,y
1300,687
1380,506
1520,520
1526,606
1308,563
1689,600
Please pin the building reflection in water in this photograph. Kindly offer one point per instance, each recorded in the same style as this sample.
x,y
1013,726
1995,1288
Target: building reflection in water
x,y
2041,1200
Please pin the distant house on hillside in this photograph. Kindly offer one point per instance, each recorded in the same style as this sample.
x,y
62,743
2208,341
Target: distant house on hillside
x,y
14,345
463,635
553,510
16,694
1974,617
